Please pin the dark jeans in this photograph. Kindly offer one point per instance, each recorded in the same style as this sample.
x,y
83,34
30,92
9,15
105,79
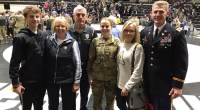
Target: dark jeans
x,y
122,101
33,94
66,93
84,90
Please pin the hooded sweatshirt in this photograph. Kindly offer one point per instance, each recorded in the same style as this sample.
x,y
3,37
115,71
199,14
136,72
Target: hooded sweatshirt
x,y
26,64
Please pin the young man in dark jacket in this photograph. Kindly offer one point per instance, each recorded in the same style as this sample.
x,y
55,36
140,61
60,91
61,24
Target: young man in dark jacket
x,y
26,65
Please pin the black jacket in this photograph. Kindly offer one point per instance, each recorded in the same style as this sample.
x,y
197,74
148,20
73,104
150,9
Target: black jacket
x,y
166,59
60,62
84,39
28,51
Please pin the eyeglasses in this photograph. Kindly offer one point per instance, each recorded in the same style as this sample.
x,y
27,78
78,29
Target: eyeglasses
x,y
130,31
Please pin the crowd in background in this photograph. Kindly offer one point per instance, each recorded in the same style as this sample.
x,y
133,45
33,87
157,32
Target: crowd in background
x,y
182,14
74,57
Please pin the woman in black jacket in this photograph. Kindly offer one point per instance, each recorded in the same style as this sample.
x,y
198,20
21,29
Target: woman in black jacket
x,y
63,66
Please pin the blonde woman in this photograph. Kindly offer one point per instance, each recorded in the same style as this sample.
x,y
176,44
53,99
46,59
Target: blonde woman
x,y
127,77
63,66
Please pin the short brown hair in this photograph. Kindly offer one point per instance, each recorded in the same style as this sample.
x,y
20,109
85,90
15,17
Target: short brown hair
x,y
161,3
31,8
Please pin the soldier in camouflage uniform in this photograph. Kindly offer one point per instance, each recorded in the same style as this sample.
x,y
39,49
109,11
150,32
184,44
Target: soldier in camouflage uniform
x,y
102,66
19,22
2,28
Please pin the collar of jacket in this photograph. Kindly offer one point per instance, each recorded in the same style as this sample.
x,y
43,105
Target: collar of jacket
x,y
73,28
111,40
67,39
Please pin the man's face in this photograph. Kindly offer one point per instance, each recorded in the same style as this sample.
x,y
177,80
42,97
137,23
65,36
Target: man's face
x,y
159,15
32,20
80,17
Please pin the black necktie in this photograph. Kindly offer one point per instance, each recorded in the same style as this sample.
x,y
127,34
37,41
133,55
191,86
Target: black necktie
x,y
156,33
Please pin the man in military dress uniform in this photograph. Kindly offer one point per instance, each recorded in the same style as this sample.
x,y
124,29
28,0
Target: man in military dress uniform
x,y
166,59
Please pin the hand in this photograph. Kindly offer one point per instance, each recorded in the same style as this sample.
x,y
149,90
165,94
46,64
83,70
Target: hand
x,y
90,79
19,90
124,92
75,87
175,92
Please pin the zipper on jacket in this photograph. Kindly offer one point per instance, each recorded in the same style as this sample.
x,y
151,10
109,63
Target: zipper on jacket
x,y
56,63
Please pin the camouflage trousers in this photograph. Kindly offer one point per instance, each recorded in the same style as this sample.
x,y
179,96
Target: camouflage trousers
x,y
2,33
98,88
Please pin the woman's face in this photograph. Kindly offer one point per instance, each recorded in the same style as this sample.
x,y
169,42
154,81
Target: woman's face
x,y
60,29
105,27
129,33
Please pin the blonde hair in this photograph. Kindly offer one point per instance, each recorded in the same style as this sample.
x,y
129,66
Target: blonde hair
x,y
60,20
163,4
137,35
109,20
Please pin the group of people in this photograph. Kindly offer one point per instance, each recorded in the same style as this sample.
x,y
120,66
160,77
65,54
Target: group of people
x,y
74,58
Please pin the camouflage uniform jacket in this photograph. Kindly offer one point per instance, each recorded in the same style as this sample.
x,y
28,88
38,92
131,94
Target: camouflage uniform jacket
x,y
102,58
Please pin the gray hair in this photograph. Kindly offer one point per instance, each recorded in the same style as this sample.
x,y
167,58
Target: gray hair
x,y
79,7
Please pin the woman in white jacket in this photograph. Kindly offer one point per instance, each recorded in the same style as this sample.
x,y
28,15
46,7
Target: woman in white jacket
x,y
128,77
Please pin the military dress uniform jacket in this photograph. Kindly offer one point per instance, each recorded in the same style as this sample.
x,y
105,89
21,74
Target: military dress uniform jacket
x,y
102,63
166,60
